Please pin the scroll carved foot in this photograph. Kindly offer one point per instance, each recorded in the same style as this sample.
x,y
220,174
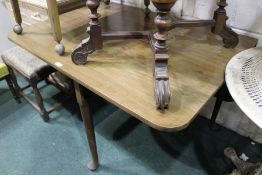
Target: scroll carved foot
x,y
162,87
80,53
162,93
230,38
243,168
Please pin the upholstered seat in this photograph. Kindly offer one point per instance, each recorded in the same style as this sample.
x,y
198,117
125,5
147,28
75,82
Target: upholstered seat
x,y
4,75
25,63
3,69
33,70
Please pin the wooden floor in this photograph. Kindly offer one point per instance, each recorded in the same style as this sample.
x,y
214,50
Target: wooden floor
x,y
122,71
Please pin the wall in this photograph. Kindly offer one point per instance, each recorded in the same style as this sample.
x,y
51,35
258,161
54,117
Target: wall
x,y
5,28
243,15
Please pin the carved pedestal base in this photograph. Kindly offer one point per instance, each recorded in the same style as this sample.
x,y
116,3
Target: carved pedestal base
x,y
230,38
163,23
162,93
160,73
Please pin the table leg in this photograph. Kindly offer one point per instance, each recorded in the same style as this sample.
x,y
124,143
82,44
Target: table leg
x,y
55,23
161,79
16,10
85,113
230,38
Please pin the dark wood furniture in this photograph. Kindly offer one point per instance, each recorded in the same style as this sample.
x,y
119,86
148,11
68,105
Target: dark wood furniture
x,y
164,23
122,71
54,10
9,82
33,70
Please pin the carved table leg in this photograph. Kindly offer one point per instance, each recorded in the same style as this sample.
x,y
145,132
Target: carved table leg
x,y
94,41
244,168
230,38
17,28
55,23
147,10
88,122
161,79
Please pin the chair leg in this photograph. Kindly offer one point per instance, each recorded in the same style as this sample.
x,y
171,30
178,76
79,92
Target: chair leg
x,y
12,89
40,102
14,81
216,109
220,97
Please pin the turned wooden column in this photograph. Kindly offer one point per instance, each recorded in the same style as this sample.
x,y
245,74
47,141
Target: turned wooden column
x,y
230,38
95,27
55,23
163,23
18,19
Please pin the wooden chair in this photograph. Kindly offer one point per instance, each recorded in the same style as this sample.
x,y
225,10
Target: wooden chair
x,y
243,77
56,7
4,75
33,70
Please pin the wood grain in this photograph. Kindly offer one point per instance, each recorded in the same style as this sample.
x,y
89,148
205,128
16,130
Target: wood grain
x,y
122,71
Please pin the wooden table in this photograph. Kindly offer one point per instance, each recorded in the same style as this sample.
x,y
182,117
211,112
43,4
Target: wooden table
x,y
122,71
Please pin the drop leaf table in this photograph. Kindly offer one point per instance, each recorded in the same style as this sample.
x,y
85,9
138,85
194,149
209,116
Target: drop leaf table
x,y
121,72
157,39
